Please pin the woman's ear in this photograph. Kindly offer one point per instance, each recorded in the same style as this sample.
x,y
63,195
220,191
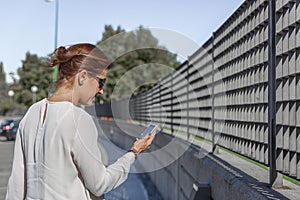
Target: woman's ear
x,y
82,76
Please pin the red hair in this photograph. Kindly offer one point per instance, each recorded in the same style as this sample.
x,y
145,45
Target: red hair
x,y
77,57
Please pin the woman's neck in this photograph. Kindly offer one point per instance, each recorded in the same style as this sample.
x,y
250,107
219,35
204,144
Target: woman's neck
x,y
64,94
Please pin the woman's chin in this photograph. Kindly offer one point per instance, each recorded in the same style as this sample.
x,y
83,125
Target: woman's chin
x,y
91,102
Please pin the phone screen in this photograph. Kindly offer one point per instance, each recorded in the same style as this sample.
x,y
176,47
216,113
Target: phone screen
x,y
148,130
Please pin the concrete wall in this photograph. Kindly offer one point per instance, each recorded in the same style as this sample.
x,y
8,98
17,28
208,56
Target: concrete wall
x,y
189,167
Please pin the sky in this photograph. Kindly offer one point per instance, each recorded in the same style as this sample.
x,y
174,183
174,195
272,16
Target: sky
x,y
29,25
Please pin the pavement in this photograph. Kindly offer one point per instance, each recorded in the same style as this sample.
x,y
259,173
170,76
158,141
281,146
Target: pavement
x,y
6,156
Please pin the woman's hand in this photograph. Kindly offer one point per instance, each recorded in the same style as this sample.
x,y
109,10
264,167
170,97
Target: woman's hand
x,y
143,144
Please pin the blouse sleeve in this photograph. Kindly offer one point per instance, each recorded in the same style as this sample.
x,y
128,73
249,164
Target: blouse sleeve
x,y
97,178
16,183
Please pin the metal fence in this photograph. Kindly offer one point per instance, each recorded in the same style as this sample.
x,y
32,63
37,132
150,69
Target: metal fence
x,y
221,92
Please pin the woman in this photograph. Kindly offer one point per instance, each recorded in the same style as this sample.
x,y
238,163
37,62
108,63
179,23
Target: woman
x,y
56,154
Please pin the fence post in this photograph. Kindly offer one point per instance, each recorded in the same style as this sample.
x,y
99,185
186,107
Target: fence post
x,y
160,106
172,108
188,102
275,180
214,144
213,98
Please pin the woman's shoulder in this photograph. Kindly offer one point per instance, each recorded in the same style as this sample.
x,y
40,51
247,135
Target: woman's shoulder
x,y
80,111
81,117
34,107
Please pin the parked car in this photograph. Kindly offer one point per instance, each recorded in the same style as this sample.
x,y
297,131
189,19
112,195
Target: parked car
x,y
5,125
10,130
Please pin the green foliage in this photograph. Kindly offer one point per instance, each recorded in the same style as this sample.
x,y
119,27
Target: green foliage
x,y
4,100
2,74
109,31
138,61
33,72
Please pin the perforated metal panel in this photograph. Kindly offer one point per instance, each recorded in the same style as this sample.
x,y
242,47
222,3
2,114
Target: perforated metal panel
x,y
223,87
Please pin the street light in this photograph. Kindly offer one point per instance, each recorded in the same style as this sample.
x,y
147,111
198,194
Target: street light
x,y
34,89
11,93
54,76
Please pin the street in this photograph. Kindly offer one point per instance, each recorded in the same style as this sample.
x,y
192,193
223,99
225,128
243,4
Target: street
x,y
6,156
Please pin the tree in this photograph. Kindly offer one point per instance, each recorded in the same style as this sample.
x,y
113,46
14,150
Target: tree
x,y
127,50
2,73
5,104
109,31
137,57
34,71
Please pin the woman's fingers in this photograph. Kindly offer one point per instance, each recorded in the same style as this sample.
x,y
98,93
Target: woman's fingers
x,y
142,144
152,136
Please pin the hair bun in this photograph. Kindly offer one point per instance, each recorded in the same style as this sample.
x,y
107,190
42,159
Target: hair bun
x,y
61,54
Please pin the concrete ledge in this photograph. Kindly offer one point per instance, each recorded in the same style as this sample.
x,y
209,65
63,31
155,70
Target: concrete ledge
x,y
195,166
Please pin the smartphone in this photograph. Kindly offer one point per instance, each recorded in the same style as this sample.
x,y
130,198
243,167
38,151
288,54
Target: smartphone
x,y
149,130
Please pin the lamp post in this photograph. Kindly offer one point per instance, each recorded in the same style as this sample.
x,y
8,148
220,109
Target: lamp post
x,y
11,93
54,77
34,89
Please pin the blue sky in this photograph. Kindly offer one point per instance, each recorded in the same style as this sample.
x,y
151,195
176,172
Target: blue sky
x,y
28,25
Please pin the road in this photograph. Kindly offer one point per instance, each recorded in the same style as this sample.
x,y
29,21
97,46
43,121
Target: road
x,y
6,156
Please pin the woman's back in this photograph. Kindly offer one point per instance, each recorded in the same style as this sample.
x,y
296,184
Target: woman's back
x,y
48,141
56,153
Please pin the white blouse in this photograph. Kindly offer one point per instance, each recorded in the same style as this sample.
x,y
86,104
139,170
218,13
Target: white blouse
x,y
60,158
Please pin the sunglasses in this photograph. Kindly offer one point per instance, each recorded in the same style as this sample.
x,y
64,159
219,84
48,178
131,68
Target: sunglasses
x,y
101,81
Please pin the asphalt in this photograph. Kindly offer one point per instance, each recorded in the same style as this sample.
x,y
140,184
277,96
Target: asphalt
x,y
6,156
